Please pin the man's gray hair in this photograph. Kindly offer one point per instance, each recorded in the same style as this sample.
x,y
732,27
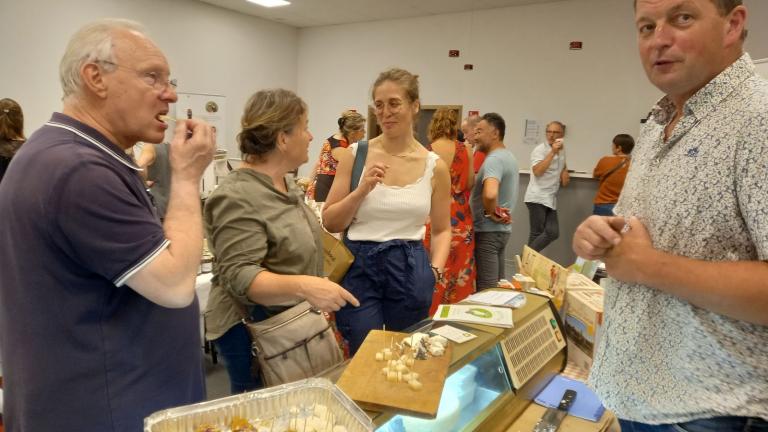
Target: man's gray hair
x,y
472,120
92,42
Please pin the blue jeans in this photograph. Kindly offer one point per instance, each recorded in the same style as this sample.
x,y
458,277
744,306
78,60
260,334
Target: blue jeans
x,y
716,424
394,283
235,347
603,209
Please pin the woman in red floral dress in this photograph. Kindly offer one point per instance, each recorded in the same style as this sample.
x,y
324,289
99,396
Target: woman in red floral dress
x,y
459,278
351,130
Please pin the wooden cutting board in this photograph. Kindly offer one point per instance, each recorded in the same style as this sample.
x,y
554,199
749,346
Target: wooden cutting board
x,y
364,383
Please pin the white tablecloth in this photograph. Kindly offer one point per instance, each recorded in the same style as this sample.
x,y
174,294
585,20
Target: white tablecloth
x,y
203,289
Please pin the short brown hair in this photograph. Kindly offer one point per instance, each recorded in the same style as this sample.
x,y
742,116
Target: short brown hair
x,y
408,81
267,113
11,120
625,142
443,124
724,7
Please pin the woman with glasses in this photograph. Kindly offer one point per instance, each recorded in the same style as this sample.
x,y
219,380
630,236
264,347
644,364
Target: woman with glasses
x,y
11,132
266,241
351,130
384,212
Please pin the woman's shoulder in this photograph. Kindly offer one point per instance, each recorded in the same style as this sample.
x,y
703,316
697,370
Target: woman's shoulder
x,y
241,182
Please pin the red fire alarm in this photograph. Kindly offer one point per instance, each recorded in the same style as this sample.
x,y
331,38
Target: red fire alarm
x,y
468,67
473,113
575,45
453,53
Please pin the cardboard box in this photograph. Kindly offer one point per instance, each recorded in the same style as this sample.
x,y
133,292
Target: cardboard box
x,y
583,320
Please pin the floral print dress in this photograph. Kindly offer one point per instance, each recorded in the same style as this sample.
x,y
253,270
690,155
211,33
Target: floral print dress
x,y
460,272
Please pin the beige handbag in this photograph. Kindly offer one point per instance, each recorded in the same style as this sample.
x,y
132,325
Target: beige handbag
x,y
295,344
336,258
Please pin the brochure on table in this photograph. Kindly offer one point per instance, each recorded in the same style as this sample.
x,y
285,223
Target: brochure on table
x,y
475,314
549,275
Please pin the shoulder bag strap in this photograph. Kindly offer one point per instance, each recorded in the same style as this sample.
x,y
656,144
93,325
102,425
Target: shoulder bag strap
x,y
357,168
614,169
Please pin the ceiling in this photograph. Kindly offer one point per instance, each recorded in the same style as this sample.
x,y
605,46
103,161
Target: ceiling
x,y
312,13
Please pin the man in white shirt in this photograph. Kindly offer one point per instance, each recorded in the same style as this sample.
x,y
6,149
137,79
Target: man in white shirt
x,y
548,172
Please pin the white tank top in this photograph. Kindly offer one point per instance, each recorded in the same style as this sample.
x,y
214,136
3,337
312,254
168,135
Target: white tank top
x,y
395,212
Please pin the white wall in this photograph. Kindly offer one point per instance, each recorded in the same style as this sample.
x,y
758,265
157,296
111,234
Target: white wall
x,y
762,67
210,50
523,69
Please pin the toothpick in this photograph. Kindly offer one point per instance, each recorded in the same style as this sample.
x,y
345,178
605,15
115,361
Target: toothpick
x,y
166,118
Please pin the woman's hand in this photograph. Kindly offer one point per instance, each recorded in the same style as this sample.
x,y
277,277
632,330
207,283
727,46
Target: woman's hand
x,y
325,295
372,176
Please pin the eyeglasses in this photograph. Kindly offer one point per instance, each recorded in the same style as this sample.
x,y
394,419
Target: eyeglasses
x,y
554,132
152,79
394,106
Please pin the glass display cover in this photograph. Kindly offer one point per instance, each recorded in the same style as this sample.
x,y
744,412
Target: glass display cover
x,y
467,392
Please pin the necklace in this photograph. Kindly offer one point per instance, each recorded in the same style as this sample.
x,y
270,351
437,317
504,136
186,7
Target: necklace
x,y
400,155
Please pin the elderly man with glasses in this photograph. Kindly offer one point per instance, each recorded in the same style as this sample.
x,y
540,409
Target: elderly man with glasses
x,y
98,319
548,173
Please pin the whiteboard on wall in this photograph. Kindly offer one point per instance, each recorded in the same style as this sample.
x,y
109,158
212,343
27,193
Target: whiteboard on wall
x,y
762,67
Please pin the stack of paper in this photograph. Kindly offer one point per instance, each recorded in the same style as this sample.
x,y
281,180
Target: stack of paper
x,y
507,298
475,314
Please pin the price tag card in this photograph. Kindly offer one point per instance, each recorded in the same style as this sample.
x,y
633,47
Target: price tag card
x,y
453,334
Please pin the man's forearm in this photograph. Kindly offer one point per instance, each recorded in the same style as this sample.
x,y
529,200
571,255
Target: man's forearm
x,y
541,167
183,226
738,289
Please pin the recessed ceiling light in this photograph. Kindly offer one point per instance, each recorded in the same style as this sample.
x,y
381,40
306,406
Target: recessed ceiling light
x,y
270,3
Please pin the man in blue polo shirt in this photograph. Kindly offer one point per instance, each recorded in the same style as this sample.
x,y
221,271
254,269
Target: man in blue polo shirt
x,y
98,318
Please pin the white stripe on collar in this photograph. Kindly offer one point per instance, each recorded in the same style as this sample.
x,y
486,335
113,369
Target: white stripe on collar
x,y
96,143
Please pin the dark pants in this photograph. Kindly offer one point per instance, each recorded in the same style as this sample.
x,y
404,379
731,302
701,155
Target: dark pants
x,y
323,183
394,283
544,227
716,424
603,209
489,257
235,347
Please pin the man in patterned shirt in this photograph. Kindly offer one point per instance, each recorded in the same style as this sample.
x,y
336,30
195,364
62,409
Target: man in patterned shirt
x,y
685,343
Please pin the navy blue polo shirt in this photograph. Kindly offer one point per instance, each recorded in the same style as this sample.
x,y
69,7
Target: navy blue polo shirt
x,y
81,350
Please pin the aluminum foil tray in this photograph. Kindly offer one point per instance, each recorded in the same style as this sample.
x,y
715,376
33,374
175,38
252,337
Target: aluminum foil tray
x,y
312,404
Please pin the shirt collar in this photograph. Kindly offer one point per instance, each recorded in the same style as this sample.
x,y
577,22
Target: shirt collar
x,y
94,137
294,195
709,96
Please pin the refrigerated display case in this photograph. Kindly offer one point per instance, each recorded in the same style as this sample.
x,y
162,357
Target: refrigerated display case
x,y
493,377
